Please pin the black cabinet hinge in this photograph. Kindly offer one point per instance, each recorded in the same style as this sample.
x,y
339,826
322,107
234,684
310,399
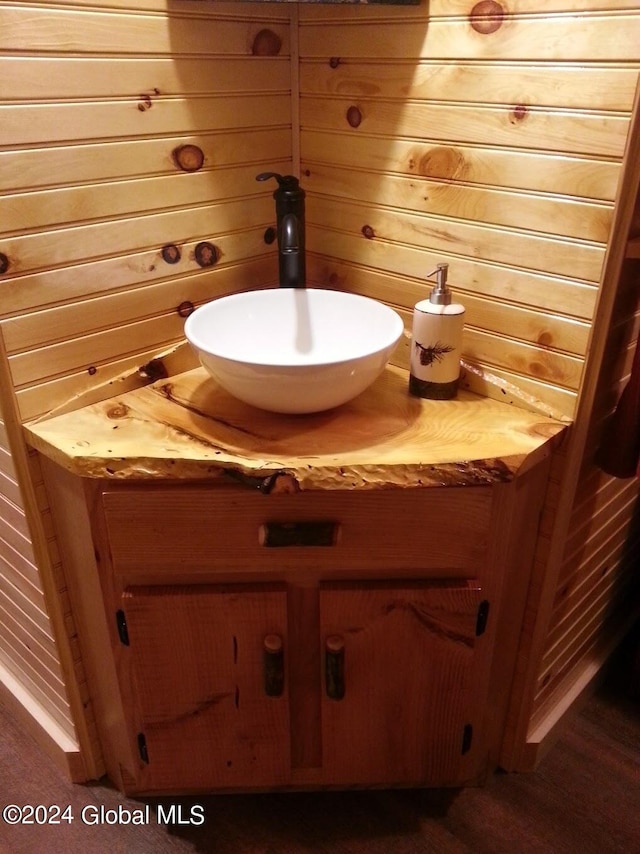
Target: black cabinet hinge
x,y
467,738
142,748
482,618
121,623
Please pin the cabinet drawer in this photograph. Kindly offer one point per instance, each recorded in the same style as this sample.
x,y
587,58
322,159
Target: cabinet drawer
x,y
199,528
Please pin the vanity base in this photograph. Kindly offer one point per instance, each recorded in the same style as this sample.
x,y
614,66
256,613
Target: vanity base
x,y
227,648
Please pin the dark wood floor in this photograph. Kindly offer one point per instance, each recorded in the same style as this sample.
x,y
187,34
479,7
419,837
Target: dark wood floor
x,y
585,797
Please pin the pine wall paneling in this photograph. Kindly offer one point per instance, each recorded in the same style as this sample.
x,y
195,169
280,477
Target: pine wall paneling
x,y
94,99
33,682
91,189
495,151
497,146
23,616
586,591
597,589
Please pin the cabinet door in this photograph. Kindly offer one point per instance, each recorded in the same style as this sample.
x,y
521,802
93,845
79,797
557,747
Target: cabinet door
x,y
399,664
209,711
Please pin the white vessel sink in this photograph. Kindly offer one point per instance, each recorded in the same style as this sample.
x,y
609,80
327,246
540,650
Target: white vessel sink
x,y
294,350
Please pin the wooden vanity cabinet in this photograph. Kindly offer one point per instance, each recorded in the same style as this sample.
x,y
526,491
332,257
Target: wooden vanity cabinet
x,y
206,717
239,641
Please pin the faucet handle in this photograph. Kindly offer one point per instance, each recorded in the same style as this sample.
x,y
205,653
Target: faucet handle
x,y
286,182
264,176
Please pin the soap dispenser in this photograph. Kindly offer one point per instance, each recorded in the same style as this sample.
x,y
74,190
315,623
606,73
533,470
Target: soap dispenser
x,y
436,342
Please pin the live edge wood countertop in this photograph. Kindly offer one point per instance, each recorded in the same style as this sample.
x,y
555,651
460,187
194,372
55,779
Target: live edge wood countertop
x,y
187,428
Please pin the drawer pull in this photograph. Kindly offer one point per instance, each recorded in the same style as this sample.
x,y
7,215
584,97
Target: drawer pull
x,y
334,667
273,658
314,533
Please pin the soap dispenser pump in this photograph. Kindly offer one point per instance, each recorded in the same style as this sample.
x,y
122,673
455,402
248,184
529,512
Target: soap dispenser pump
x,y
436,342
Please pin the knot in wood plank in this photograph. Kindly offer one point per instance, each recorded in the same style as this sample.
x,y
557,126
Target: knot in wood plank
x,y
266,43
486,17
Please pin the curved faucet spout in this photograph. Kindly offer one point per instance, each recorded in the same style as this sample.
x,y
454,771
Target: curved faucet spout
x,y
291,273
290,215
290,235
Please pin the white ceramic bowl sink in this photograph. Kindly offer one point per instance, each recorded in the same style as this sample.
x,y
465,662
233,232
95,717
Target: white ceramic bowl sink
x,y
294,350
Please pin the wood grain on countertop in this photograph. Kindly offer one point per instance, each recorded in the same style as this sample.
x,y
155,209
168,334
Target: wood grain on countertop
x,y
187,427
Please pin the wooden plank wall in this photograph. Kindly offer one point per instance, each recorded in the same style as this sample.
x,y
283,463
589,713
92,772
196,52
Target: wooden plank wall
x,y
496,144
435,134
598,590
28,649
95,96
584,592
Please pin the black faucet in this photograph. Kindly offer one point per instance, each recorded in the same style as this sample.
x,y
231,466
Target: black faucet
x,y
290,229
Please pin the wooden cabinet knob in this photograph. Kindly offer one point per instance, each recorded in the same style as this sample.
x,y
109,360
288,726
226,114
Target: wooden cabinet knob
x,y
273,659
334,667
